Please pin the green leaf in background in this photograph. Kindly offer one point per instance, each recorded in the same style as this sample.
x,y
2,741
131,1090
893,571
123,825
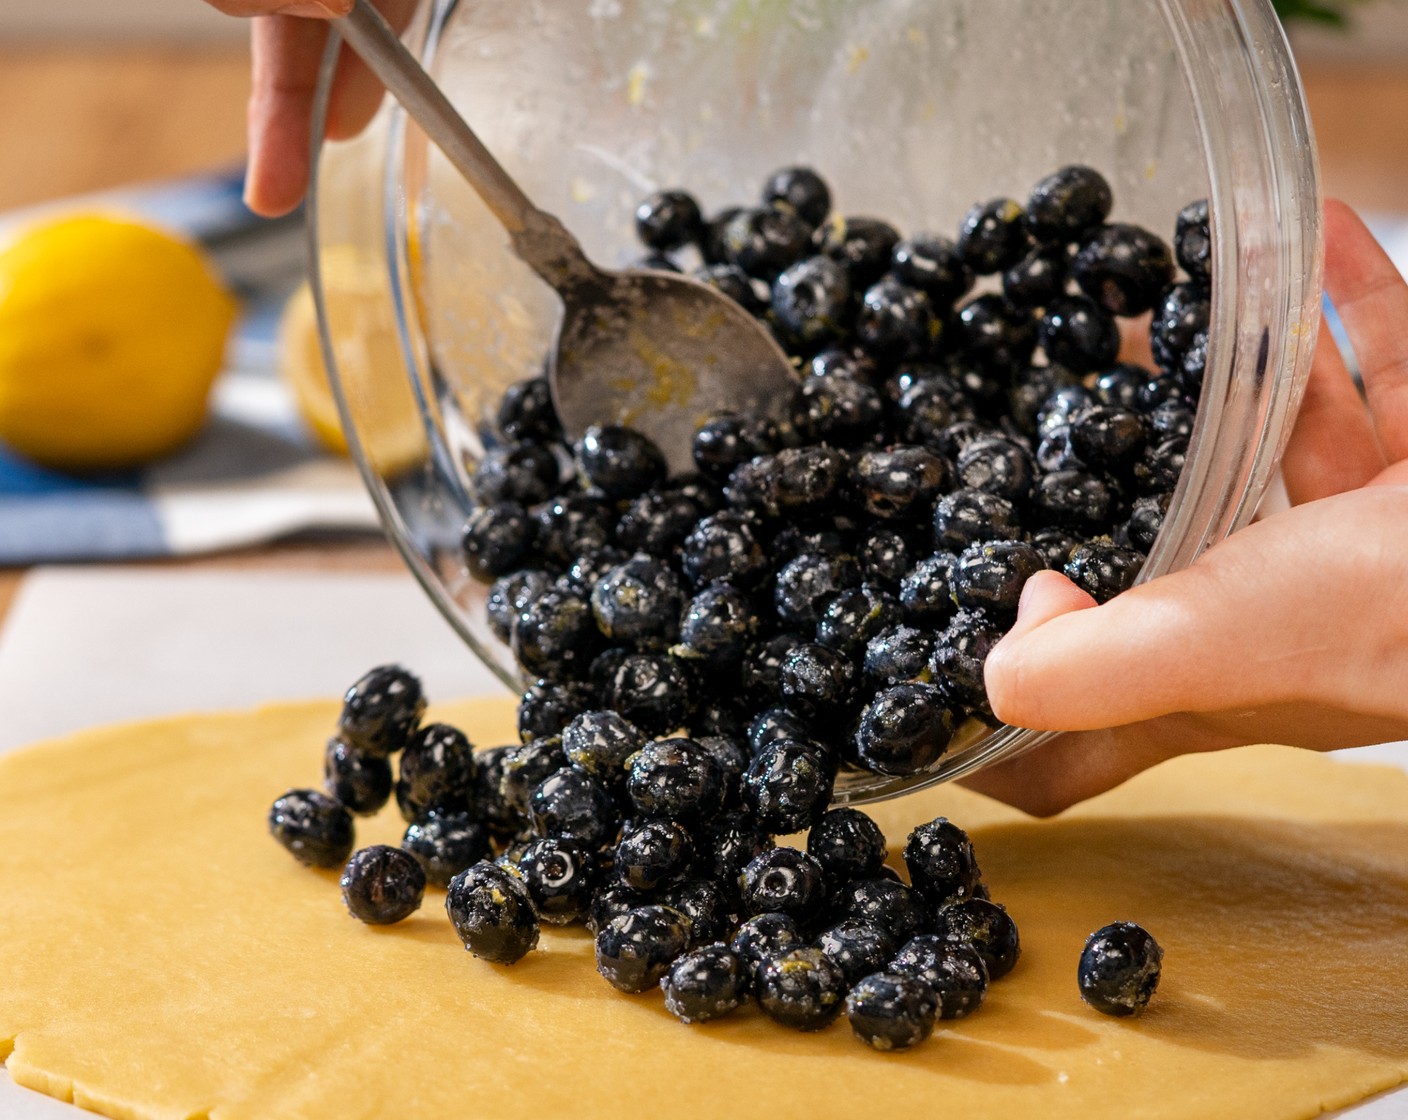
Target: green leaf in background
x,y
1331,12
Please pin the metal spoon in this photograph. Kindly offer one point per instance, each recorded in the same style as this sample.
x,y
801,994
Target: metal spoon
x,y
654,350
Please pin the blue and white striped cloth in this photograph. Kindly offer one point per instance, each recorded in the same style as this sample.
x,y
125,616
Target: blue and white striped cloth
x,y
252,475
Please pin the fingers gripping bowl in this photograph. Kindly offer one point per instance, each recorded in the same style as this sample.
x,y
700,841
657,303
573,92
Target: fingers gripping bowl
x,y
912,113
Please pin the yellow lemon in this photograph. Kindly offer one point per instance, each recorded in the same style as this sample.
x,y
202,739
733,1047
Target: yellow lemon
x,y
369,359
111,333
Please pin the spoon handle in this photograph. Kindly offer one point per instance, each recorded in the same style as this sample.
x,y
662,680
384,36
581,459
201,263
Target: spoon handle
x,y
538,238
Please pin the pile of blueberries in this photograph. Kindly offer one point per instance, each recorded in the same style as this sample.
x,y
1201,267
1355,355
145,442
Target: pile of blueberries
x,y
664,849
707,652
835,579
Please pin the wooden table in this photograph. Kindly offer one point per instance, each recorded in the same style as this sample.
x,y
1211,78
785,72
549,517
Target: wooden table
x,y
75,119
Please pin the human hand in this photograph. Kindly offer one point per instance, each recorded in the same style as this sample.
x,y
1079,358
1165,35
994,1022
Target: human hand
x,y
1293,630
287,42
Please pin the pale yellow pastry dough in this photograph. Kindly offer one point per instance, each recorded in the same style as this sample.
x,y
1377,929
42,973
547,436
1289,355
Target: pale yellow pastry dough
x,y
163,957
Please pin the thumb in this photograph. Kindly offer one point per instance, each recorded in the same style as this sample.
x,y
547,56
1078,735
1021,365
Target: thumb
x,y
1185,642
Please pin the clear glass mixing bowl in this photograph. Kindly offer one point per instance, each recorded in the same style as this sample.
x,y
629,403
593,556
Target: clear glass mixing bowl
x,y
913,110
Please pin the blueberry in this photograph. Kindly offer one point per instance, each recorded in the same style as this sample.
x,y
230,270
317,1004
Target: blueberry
x,y
853,618
315,829
1074,499
838,411
360,781
526,473
525,766
1180,316
556,636
711,244
613,901
718,626
558,872
590,569
635,950
784,881
1108,439
1055,545
731,752
487,801
896,655
883,902
817,680
601,743
723,547
547,707
496,539
678,779
801,190
1039,278
899,483
526,412
926,595
886,556
1194,366
572,526
381,710
765,240
1076,332
994,334
731,841
801,988
891,1012
941,863
638,603
990,577
984,925
968,516
1103,569
1068,204
509,595
657,523
777,724
444,844
840,361
751,294
1032,389
492,913
811,302
669,220
996,465
934,265
437,772
862,245
993,236
957,664
954,971
856,947
705,984
807,583
652,691
1146,518
1159,467
895,320
1119,969
927,406
619,461
787,786
1192,241
1062,403
654,855
906,729
1123,268
703,903
727,440
382,885
763,936
570,803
